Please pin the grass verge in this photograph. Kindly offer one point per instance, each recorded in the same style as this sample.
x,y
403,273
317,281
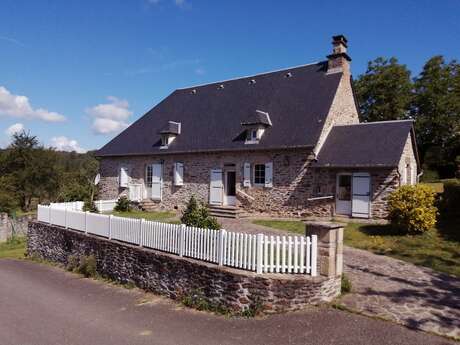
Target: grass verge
x,y
13,248
430,249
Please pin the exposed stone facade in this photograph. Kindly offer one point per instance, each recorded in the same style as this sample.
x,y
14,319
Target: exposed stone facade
x,y
294,182
408,164
176,277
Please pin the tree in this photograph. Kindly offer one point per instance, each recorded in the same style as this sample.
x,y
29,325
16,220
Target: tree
x,y
384,91
31,169
436,109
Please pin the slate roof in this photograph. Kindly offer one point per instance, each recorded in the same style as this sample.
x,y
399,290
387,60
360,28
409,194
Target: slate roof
x,y
297,99
372,144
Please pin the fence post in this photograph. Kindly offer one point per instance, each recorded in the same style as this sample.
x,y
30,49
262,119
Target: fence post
x,y
110,227
259,253
141,222
65,218
314,255
183,228
86,222
221,253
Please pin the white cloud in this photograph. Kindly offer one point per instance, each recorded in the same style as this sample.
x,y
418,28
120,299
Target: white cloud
x,y
12,40
19,107
13,129
65,144
110,117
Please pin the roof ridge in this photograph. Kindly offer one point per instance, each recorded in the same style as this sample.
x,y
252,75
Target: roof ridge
x,y
373,122
250,76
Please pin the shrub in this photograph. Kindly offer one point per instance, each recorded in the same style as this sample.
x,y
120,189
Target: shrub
x,y
198,215
123,205
90,206
345,284
411,208
449,203
72,263
87,266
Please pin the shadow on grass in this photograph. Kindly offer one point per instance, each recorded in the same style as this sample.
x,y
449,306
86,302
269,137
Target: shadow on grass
x,y
381,230
449,228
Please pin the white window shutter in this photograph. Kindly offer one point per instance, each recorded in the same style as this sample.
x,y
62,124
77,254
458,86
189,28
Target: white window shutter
x,y
178,174
269,174
124,177
247,175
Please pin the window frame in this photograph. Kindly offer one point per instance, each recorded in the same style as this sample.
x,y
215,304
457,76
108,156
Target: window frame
x,y
259,184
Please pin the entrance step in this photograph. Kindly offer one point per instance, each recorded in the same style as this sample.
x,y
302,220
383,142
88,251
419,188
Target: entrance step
x,y
149,205
225,211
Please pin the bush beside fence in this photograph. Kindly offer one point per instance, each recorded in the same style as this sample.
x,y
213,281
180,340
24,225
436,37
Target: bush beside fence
x,y
260,253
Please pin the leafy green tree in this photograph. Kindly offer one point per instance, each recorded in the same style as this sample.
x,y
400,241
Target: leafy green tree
x,y
436,109
31,169
384,91
198,215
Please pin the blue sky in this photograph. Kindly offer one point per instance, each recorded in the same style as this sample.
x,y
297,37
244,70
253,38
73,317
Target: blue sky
x,y
75,73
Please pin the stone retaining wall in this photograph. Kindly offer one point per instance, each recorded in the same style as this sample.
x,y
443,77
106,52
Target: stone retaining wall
x,y
17,225
177,277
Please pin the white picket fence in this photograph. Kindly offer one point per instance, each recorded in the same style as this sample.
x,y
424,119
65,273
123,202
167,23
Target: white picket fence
x,y
259,253
105,205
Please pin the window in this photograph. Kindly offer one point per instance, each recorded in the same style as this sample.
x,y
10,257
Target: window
x,y
254,134
148,176
344,192
164,140
259,174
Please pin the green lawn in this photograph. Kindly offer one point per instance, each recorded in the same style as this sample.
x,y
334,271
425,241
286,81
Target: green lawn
x,y
431,249
167,217
13,249
288,225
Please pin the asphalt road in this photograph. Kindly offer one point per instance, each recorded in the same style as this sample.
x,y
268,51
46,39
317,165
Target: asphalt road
x,y
45,305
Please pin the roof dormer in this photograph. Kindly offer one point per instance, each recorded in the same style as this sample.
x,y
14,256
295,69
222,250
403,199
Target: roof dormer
x,y
169,132
255,125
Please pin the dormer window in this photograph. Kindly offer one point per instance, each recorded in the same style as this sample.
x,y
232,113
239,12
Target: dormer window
x,y
255,126
169,133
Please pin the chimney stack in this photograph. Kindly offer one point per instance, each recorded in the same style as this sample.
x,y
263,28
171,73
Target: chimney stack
x,y
339,61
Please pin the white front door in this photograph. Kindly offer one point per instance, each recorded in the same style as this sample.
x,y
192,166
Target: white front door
x,y
343,195
157,181
216,187
361,195
230,187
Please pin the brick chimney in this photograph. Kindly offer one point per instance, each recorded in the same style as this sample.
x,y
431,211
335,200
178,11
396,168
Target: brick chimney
x,y
338,61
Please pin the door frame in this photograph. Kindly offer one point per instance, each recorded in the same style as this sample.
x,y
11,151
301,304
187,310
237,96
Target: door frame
x,y
229,200
160,198
337,193
221,172
356,214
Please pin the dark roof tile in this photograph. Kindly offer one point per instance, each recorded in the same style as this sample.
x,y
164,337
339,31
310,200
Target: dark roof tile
x,y
372,144
211,117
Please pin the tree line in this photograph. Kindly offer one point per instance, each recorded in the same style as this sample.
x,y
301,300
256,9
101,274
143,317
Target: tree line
x,y
388,91
31,174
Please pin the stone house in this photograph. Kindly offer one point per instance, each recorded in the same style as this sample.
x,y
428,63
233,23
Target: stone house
x,y
284,143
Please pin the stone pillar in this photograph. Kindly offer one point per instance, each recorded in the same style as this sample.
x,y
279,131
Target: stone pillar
x,y
330,246
3,226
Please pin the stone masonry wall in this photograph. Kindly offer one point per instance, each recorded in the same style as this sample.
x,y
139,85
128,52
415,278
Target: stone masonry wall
x,y
293,180
176,277
343,110
408,158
